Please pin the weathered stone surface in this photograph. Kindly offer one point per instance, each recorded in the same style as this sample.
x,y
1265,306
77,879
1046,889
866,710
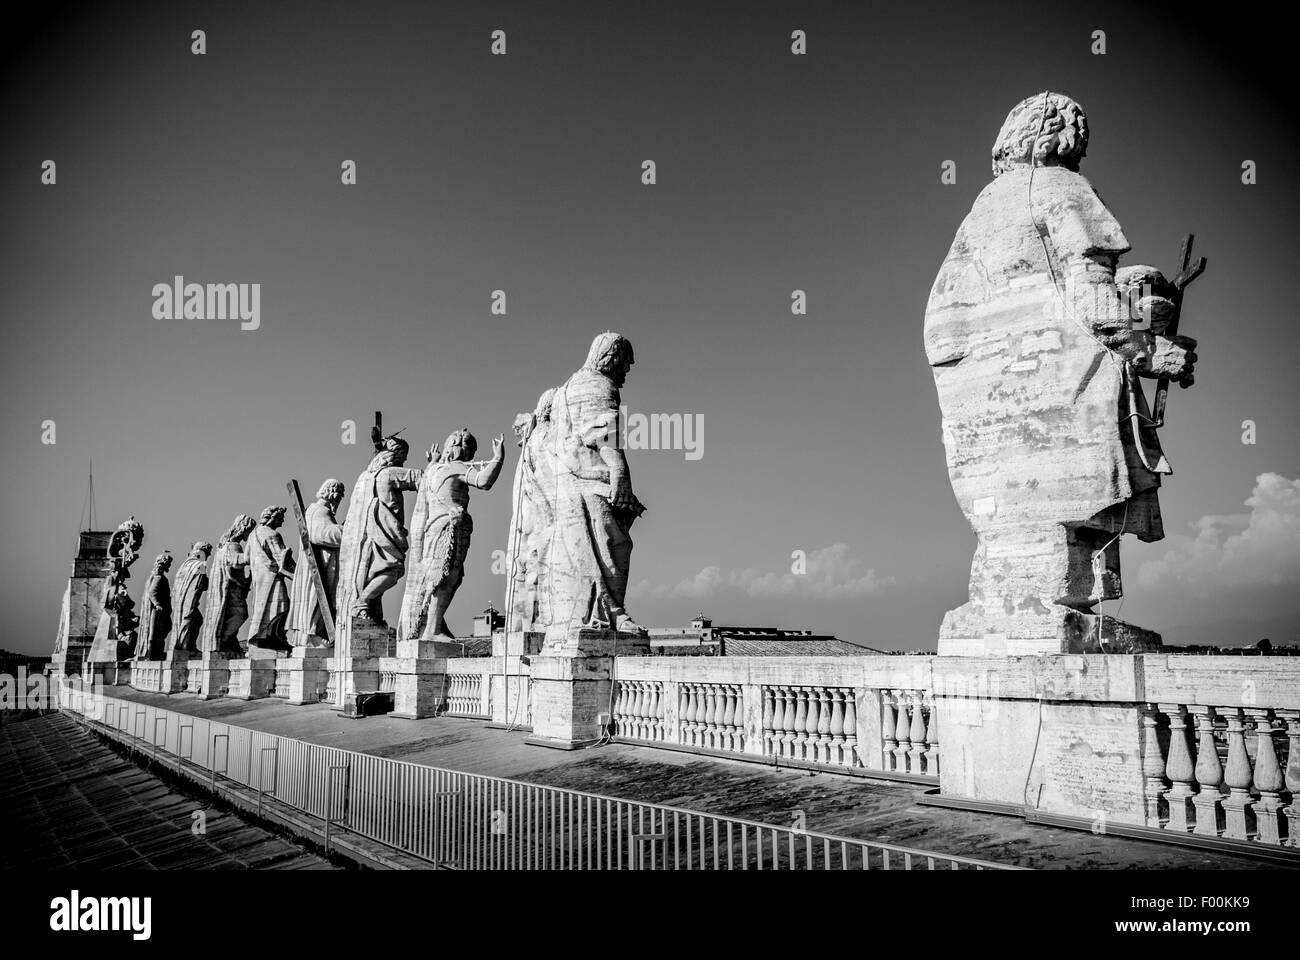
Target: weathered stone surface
x,y
155,611
187,600
306,674
306,624
83,600
441,528
532,520
1036,358
271,567
251,678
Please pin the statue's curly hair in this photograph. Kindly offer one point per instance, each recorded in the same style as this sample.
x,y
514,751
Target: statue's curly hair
x,y
463,441
331,489
1039,128
272,513
201,548
607,351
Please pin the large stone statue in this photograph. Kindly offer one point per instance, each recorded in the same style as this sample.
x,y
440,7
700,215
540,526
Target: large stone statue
x,y
187,599
116,634
228,597
441,527
595,506
325,533
271,567
532,519
155,611
1036,352
372,554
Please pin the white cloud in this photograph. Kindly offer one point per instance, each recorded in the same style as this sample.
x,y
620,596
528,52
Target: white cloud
x,y
829,573
1259,548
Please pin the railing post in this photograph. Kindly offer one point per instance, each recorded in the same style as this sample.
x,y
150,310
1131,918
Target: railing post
x,y
1153,767
1236,808
1292,776
1268,781
1209,774
1179,769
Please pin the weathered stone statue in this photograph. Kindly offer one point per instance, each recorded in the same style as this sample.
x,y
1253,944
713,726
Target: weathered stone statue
x,y
325,533
155,611
532,520
271,566
187,613
228,598
595,506
1036,353
116,634
441,527
372,553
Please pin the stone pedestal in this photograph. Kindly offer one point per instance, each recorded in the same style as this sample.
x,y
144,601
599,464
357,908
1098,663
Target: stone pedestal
x,y
107,672
356,673
1060,734
304,674
417,677
253,677
511,694
572,685
214,676
146,675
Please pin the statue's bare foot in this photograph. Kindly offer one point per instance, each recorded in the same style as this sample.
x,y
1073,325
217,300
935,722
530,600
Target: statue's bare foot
x,y
627,625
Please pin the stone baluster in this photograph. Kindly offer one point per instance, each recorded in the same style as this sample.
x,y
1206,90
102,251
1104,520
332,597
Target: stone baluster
x,y
851,729
1268,781
729,717
683,713
838,753
823,746
697,714
917,732
902,731
887,729
1153,767
642,710
656,711
788,721
1237,814
931,739
800,727
768,695
713,718
1209,775
1179,769
620,708
1292,776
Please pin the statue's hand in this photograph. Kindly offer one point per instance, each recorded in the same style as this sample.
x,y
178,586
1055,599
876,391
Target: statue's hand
x,y
433,453
621,496
1174,358
497,443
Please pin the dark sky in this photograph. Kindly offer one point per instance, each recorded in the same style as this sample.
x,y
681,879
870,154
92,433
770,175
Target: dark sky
x,y
522,173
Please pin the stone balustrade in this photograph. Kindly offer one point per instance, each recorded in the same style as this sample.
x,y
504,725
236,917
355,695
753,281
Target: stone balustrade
x,y
468,689
869,714
281,688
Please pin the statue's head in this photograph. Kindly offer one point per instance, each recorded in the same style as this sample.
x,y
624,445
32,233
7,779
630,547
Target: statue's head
x,y
163,563
391,454
1047,129
130,532
201,550
272,516
460,445
330,492
523,425
611,354
240,529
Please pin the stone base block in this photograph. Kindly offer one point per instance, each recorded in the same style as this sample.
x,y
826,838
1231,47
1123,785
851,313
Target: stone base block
x,y
214,677
303,676
568,696
418,684
511,699
251,679
588,642
1057,630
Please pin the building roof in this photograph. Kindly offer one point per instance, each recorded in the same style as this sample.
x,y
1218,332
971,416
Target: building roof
x,y
791,647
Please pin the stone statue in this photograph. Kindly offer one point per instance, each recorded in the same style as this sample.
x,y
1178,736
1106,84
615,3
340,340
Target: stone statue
x,y
372,553
271,566
155,611
532,520
595,506
187,614
440,533
306,625
115,636
1036,352
228,598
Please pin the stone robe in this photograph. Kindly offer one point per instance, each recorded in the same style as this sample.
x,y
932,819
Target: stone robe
x,y
187,613
227,600
532,525
269,561
591,549
306,625
155,618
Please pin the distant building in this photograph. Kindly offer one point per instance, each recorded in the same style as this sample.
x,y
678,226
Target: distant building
x,y
703,639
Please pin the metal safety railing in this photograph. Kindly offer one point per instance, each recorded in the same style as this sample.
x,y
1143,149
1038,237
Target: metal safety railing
x,y
472,821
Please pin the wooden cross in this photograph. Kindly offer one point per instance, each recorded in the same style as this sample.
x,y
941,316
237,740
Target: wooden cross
x,y
1187,272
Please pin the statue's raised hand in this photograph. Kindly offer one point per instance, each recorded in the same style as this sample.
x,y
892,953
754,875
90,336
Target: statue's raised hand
x,y
433,454
498,443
